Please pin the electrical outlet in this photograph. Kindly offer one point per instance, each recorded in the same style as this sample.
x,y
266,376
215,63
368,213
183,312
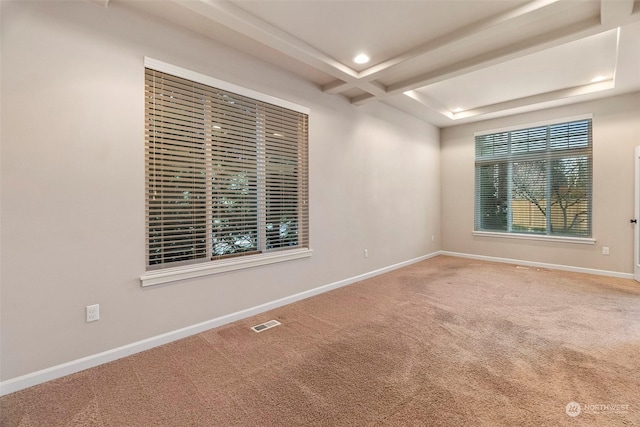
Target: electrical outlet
x,y
366,253
93,312
433,238
605,250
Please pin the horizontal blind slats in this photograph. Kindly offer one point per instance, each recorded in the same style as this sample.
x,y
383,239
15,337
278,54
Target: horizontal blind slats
x,y
536,180
216,163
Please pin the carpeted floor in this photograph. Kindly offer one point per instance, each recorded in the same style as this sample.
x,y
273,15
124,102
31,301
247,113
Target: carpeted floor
x,y
446,342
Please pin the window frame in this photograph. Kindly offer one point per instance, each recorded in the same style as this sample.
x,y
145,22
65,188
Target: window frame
x,y
180,271
509,161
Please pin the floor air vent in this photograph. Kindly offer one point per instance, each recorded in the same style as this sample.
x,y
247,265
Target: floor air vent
x,y
266,325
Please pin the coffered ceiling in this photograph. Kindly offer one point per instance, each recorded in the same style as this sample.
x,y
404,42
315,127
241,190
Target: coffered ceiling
x,y
444,61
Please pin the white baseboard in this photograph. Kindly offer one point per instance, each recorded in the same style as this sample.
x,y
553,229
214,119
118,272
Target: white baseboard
x,y
541,265
48,374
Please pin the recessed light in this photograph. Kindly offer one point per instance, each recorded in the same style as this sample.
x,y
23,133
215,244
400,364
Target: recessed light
x,y
598,79
458,110
361,59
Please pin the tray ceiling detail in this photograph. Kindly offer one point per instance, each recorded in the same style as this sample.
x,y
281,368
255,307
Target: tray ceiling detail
x,y
446,62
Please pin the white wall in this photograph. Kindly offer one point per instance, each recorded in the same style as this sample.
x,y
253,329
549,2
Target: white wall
x,y
72,181
616,131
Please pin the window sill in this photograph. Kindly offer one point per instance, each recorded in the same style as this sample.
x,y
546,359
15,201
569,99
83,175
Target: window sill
x,y
557,239
214,267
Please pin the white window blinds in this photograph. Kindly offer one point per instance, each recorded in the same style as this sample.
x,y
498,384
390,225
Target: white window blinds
x,y
536,180
226,174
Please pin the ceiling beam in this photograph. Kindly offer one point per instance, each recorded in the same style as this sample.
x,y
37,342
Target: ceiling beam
x,y
430,103
228,14
374,88
536,99
103,3
231,15
615,12
438,43
520,103
533,45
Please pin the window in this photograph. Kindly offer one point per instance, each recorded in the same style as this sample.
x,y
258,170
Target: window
x,y
536,180
226,174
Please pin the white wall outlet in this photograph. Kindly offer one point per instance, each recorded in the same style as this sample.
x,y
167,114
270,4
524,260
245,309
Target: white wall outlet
x,y
366,253
433,238
605,250
93,312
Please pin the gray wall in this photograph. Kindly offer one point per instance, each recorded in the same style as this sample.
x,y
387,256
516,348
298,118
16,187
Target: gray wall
x,y
616,131
72,184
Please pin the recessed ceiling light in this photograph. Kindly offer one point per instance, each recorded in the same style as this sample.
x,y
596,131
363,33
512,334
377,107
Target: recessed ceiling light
x,y
361,59
598,79
458,110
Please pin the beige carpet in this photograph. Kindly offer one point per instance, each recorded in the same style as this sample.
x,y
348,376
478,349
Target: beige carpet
x,y
443,342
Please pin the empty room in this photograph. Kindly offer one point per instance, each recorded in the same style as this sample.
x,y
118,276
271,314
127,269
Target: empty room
x,y
319,213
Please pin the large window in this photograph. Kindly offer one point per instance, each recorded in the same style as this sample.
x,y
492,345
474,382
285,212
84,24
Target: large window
x,y
535,180
226,174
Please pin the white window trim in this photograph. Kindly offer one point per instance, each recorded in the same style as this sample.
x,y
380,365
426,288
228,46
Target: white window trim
x,y
173,274
588,116
520,236
154,64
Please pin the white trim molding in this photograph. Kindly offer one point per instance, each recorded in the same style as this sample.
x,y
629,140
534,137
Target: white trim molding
x,y
541,265
173,274
48,374
588,116
174,70
521,236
